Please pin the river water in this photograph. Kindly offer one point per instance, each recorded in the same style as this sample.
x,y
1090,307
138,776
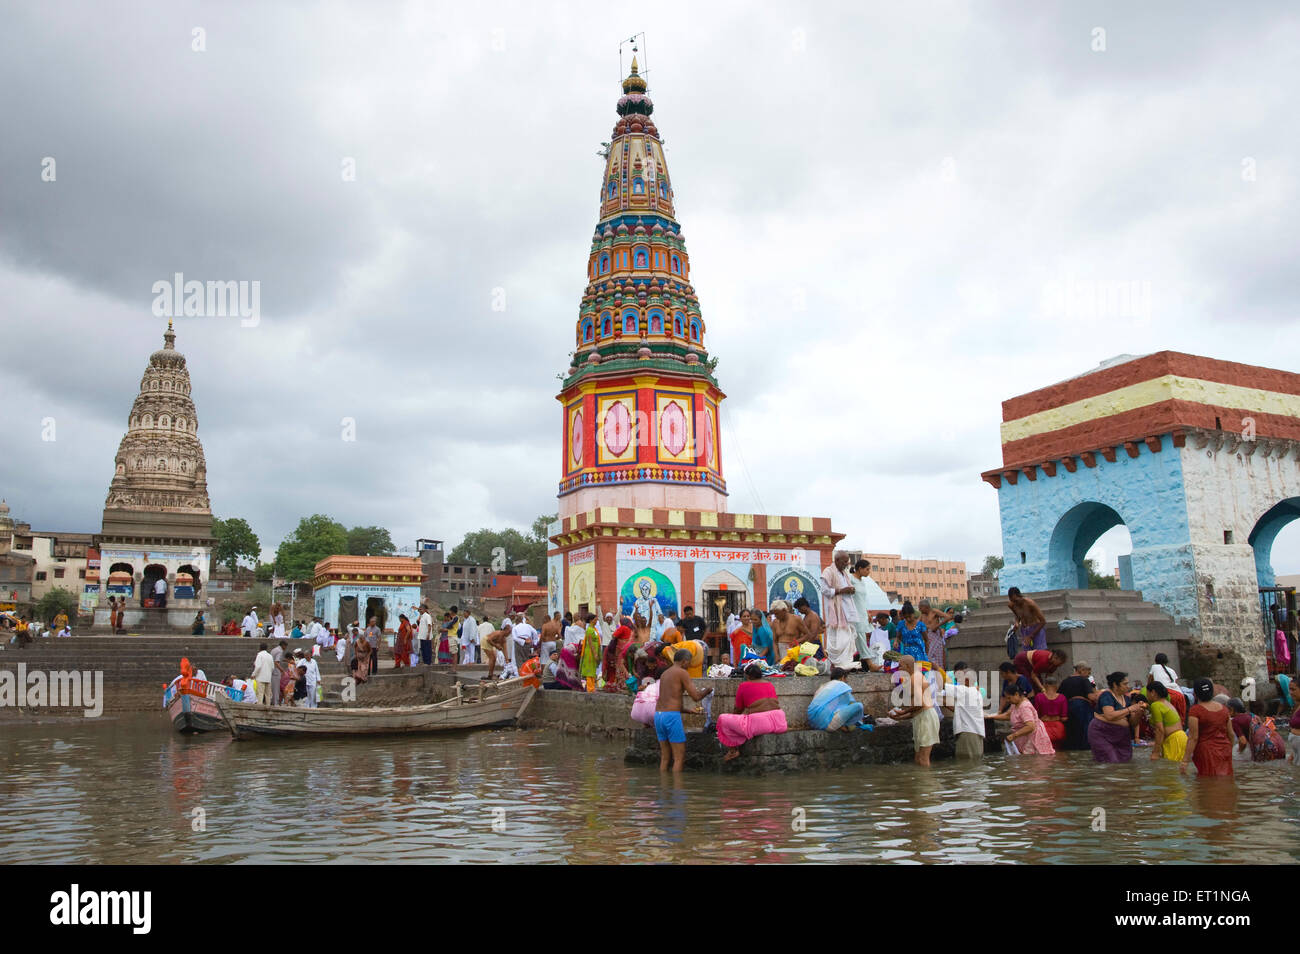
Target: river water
x,y
131,790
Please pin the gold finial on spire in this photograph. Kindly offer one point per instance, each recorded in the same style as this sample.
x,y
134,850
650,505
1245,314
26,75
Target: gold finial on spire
x,y
634,67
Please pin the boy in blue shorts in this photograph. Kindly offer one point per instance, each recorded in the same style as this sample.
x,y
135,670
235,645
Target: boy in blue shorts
x,y
668,711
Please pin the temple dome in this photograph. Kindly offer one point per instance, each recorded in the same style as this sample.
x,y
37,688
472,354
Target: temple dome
x,y
159,473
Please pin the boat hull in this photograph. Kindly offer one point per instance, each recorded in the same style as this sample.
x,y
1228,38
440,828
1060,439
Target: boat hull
x,y
191,714
248,720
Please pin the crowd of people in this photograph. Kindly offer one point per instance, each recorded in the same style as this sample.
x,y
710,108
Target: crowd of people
x,y
22,631
654,657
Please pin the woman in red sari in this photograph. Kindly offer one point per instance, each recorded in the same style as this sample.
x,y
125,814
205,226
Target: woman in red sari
x,y
405,640
1209,743
614,665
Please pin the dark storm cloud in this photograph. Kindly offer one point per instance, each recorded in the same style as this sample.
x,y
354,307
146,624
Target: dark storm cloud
x,y
878,201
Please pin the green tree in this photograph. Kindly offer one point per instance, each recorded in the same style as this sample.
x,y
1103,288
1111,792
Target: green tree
x,y
370,541
992,565
315,538
1099,581
54,602
503,549
235,539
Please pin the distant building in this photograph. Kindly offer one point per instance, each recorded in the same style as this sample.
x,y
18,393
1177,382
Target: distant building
x,y
982,586
59,559
356,588
939,581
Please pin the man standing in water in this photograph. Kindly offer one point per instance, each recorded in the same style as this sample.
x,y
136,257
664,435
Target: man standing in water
x,y
918,698
1029,618
668,710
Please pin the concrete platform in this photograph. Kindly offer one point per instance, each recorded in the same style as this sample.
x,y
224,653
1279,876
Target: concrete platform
x,y
797,751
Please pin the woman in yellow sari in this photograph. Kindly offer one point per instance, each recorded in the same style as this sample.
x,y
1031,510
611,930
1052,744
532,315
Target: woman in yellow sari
x,y
1170,739
590,658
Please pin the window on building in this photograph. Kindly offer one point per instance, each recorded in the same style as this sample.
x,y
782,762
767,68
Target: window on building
x,y
58,573
40,576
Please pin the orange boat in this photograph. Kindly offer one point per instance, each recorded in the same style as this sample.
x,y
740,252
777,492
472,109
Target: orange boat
x,y
191,703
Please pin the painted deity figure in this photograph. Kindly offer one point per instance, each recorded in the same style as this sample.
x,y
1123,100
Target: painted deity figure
x,y
648,609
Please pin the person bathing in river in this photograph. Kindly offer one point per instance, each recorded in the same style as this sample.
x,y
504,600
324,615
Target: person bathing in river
x,y
1208,739
919,699
1033,664
1170,739
668,711
1054,709
1028,733
1109,733
757,713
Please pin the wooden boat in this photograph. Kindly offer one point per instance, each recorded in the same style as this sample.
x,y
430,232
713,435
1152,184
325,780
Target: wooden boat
x,y
471,708
193,706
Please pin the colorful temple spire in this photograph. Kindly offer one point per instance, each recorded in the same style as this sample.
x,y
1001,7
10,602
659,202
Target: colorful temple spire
x,y
640,398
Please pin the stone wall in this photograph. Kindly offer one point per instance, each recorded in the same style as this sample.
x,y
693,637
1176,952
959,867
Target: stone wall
x,y
135,670
794,751
1123,633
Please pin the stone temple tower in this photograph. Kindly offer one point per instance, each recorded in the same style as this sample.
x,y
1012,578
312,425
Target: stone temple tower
x,y
640,399
157,518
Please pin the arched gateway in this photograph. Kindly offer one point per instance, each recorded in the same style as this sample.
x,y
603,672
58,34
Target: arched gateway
x,y
1198,458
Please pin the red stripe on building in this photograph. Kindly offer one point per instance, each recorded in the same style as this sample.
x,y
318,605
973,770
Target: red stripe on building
x,y
1160,418
1145,369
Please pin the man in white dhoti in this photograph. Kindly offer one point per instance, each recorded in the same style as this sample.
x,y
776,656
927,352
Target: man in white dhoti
x,y
468,638
249,625
839,614
523,640
313,680
862,626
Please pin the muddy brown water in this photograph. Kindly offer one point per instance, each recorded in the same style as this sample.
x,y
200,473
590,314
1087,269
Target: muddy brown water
x,y
130,790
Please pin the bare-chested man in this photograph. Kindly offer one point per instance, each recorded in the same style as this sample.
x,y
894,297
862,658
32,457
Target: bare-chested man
x,y
552,630
919,706
813,627
494,642
787,628
641,628
1029,618
668,710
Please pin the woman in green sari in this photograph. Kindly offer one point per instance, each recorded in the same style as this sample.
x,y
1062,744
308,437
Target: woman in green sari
x,y
1170,739
589,661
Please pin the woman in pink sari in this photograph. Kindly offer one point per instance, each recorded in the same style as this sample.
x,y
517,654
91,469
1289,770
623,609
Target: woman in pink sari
x,y
1027,729
757,713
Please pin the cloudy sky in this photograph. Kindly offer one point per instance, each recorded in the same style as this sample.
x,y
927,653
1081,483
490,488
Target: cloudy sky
x,y
882,203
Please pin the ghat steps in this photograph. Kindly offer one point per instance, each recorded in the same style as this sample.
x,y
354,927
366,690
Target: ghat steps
x,y
1121,632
